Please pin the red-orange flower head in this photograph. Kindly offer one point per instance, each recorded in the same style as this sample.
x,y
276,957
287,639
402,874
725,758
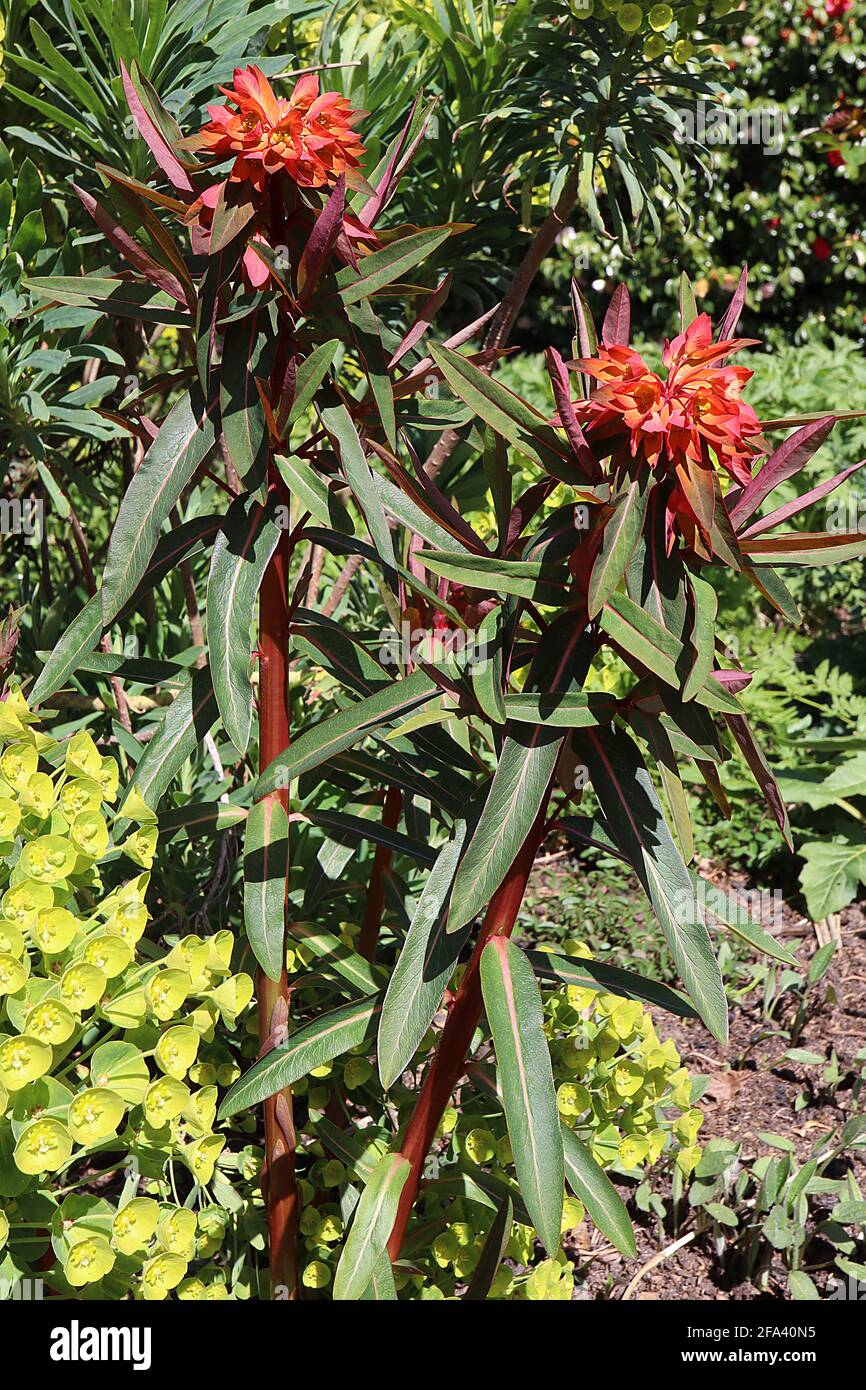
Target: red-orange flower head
x,y
309,135
694,413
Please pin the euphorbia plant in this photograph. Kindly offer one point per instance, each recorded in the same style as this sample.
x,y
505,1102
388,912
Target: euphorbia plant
x,y
484,750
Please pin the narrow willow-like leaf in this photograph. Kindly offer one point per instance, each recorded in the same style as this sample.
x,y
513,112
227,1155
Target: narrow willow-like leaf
x,y
512,1002
318,1042
422,970
339,958
78,640
381,1287
244,546
593,974
190,716
340,731
619,538
594,1188
314,495
241,410
371,1226
521,779
574,710
703,605
341,427
266,867
187,435
525,578
631,808
640,636
385,266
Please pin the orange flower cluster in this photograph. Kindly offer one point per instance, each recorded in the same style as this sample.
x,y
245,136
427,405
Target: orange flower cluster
x,y
310,135
673,424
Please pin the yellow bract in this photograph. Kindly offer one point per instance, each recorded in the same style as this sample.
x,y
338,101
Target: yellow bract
x,y
48,859
83,758
51,1021
88,1261
54,930
22,1060
43,1147
82,986
95,1114
134,1225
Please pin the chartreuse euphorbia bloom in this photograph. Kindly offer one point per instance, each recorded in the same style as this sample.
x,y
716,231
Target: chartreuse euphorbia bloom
x,y
162,1274
233,996
90,834
22,903
38,795
176,1231
4,1228
95,1114
43,1146
83,758
110,954
13,973
200,1113
88,1260
166,992
54,930
49,859
201,1156
176,1051
23,1059
129,921
80,795
82,986
164,1100
51,1021
135,1224
140,846
10,817
11,939
18,764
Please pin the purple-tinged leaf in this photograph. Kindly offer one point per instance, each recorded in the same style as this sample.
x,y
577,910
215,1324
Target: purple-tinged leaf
x,y
799,504
136,255
323,239
616,329
151,134
728,326
568,417
761,772
787,460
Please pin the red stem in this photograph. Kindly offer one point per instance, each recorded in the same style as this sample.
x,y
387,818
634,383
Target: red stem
x,y
279,1186
372,923
449,1061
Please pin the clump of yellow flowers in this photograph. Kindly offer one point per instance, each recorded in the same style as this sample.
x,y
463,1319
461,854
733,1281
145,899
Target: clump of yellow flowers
x,y
112,1047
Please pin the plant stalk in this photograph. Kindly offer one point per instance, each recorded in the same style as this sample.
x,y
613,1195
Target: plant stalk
x,y
449,1060
279,1185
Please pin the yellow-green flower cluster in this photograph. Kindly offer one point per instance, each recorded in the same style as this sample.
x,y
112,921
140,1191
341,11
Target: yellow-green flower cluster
x,y
109,1045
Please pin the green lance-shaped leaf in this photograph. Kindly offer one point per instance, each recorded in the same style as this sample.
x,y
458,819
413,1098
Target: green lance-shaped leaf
x,y
619,538
119,298
314,494
593,974
703,606
578,709
78,640
371,1226
492,1253
512,1002
241,410
594,1188
634,816
191,715
246,542
381,1288
525,578
341,427
386,266
342,730
266,867
521,779
338,958
640,636
183,442
507,415
200,818
310,375
423,968
318,1042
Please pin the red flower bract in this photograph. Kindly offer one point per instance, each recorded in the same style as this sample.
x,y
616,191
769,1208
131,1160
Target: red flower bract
x,y
309,135
696,412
